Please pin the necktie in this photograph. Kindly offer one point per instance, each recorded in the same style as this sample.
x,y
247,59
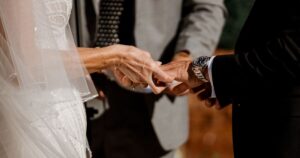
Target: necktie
x,y
109,22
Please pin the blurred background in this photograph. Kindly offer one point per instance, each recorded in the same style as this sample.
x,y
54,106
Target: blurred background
x,y
210,129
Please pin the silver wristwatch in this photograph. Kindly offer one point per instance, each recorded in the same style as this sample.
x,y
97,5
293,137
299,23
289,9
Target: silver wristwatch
x,y
199,66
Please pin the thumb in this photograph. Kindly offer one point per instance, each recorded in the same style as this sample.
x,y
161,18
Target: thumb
x,y
162,76
159,63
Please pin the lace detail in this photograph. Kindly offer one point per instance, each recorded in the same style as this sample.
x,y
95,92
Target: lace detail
x,y
43,116
59,12
70,120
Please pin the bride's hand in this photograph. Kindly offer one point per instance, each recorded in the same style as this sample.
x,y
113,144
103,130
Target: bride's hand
x,y
135,69
132,67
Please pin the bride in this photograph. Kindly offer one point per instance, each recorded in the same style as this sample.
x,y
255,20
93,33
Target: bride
x,y
44,79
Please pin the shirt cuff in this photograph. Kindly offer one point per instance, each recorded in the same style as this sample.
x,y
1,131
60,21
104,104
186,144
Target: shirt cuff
x,y
213,94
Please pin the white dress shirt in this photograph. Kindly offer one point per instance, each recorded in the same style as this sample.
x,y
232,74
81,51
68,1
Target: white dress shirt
x,y
213,94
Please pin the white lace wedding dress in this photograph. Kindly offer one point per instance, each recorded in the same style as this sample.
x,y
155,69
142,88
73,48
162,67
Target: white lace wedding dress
x,y
37,121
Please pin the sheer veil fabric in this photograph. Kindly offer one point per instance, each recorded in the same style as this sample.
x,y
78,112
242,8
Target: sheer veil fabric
x,y
42,82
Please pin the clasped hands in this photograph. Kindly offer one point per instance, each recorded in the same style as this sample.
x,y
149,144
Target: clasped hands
x,y
134,68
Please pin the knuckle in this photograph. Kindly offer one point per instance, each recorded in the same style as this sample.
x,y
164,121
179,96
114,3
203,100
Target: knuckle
x,y
119,45
147,54
152,65
131,48
116,46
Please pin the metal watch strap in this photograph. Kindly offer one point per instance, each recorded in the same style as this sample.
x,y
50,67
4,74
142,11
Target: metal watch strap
x,y
199,66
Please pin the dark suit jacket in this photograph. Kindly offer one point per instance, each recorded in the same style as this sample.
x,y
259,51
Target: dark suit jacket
x,y
262,81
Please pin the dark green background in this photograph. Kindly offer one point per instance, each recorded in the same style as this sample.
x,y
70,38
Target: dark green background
x,y
238,11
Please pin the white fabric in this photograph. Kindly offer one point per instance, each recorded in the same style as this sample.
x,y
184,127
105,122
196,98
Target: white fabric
x,y
210,63
43,82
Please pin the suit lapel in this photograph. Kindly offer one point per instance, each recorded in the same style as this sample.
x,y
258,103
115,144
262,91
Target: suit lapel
x,y
96,6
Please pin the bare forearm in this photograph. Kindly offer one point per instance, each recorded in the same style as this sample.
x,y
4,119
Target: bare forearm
x,y
97,59
132,64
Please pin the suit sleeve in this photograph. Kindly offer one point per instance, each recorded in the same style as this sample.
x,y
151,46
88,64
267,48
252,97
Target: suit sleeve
x,y
277,62
201,26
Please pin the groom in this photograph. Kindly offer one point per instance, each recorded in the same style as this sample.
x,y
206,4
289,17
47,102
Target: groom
x,y
137,125
261,80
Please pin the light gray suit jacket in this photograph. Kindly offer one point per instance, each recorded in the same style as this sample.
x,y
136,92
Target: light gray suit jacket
x,y
197,24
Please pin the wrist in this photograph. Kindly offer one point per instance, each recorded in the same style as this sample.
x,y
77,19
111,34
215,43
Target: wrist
x,y
200,68
107,57
193,80
206,74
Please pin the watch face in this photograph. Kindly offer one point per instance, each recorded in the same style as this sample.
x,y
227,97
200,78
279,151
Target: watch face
x,y
201,61
199,66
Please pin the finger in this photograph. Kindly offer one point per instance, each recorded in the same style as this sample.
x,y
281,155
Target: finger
x,y
161,75
147,54
184,93
158,72
138,77
155,89
158,63
199,88
143,85
177,70
169,69
127,82
204,94
133,74
158,83
118,74
168,66
150,81
218,105
207,103
139,85
101,95
181,88
122,79
210,102
170,92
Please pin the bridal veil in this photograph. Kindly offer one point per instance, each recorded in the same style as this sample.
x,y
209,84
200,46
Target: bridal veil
x,y
41,75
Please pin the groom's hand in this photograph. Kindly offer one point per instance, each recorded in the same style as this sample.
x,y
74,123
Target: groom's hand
x,y
178,88
181,71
